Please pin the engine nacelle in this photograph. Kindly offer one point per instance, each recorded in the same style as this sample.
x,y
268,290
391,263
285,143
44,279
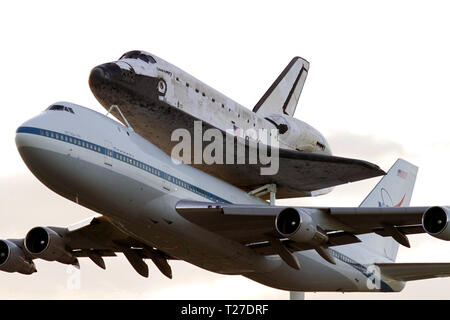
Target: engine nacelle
x,y
13,259
435,221
46,244
298,226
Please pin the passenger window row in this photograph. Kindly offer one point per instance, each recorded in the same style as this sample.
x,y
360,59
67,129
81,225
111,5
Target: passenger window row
x,y
72,140
131,161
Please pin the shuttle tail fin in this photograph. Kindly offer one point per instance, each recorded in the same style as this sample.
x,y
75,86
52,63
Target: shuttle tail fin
x,y
394,190
283,94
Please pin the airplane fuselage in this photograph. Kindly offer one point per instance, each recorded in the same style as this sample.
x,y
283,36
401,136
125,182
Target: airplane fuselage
x,y
100,164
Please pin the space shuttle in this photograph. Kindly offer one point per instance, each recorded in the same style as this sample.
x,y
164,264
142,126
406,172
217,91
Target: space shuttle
x,y
155,98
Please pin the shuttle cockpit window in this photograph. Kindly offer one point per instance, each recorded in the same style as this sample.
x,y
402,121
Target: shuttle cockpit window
x,y
138,55
58,107
279,122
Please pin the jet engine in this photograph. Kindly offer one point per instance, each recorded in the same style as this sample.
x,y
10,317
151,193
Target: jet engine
x,y
46,244
435,222
13,259
298,226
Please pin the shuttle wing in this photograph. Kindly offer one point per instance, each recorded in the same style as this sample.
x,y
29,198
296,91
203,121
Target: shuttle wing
x,y
300,174
254,226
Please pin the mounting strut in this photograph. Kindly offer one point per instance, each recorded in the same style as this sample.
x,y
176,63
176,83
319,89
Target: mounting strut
x,y
268,188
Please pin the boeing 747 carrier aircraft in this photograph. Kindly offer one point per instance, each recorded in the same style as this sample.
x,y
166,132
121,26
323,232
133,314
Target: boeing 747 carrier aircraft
x,y
151,208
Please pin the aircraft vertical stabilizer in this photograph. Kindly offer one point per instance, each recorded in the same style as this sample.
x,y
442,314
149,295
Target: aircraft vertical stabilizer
x,y
394,190
283,94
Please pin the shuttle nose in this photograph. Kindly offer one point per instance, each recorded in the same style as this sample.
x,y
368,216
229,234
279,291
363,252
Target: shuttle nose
x,y
97,74
107,74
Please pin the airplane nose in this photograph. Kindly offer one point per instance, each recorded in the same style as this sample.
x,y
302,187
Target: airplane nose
x,y
22,139
53,164
29,147
25,133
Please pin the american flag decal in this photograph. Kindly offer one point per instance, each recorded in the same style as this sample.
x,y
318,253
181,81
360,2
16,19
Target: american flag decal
x,y
236,130
402,174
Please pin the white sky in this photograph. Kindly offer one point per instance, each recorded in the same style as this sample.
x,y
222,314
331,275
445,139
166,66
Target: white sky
x,y
377,88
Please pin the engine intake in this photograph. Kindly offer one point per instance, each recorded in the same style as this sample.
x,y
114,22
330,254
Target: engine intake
x,y
13,259
297,225
435,221
46,244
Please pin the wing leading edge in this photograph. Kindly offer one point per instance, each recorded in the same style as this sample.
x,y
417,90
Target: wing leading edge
x,y
257,228
96,238
300,174
249,224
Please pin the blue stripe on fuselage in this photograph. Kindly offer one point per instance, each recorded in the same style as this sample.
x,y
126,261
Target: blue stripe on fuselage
x,y
123,158
384,287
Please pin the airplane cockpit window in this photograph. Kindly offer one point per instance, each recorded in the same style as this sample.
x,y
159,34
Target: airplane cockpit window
x,y
138,55
58,107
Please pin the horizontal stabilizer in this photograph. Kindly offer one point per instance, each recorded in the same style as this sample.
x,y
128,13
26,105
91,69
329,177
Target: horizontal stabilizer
x,y
414,271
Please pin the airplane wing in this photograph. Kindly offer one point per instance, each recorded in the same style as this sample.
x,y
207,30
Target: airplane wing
x,y
255,225
97,237
414,271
